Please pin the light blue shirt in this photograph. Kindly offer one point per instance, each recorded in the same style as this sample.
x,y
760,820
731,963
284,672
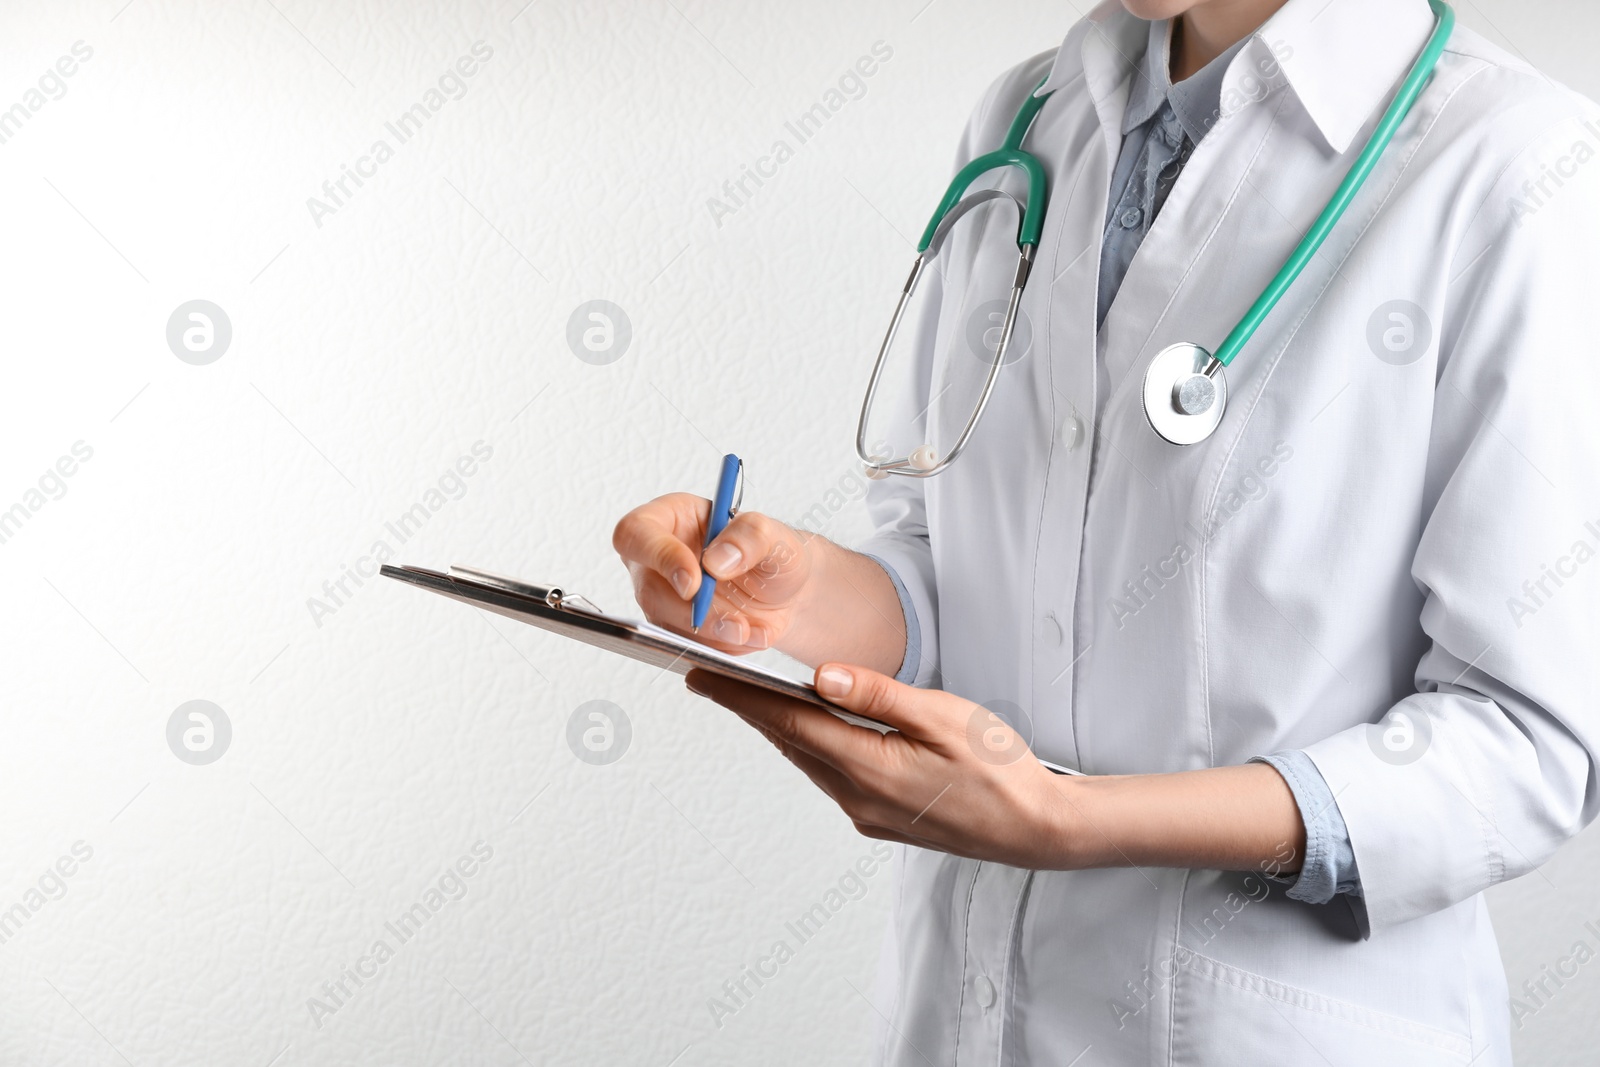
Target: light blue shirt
x,y
1160,127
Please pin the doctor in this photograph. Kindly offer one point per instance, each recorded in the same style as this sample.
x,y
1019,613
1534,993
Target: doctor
x,y
1329,672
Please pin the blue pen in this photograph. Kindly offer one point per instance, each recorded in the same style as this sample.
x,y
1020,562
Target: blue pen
x,y
723,507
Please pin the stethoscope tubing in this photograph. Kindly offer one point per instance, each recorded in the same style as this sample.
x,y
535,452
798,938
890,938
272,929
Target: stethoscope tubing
x,y
1012,154
1311,243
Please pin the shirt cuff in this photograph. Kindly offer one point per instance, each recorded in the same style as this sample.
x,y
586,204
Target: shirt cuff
x,y
913,658
1329,867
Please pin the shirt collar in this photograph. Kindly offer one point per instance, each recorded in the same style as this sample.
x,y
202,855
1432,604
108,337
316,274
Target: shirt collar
x,y
1342,58
1196,100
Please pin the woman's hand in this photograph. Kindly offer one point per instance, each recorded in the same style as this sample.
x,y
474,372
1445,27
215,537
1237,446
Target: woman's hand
x,y
953,777
763,570
956,779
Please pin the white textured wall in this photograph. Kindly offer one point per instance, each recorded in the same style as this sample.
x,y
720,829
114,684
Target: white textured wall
x,y
375,745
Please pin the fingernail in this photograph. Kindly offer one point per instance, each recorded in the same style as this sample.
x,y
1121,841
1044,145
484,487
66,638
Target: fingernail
x,y
758,639
835,682
683,582
722,557
726,630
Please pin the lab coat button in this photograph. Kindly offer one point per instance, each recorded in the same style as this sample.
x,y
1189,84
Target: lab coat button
x,y
1048,630
1071,433
985,990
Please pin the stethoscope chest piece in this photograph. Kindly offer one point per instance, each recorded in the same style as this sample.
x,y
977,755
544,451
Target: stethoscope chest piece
x,y
1185,393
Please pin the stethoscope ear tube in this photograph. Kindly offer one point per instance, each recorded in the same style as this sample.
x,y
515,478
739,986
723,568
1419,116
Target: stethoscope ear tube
x,y
924,462
877,466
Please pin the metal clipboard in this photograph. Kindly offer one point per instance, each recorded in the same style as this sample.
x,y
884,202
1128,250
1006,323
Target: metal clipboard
x,y
558,611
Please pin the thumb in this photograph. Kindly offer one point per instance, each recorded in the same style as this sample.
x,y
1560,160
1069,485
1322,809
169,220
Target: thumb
x,y
876,696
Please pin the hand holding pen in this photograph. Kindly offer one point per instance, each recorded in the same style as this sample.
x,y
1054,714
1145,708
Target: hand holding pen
x,y
734,579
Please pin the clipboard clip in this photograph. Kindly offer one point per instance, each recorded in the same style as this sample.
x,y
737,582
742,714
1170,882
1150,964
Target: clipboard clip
x,y
553,596
562,600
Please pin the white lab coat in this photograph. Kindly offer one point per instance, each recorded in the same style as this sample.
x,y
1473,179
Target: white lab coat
x,y
1360,534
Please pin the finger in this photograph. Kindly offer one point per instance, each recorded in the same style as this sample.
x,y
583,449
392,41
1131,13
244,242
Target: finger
x,y
660,602
726,628
914,712
868,816
825,776
750,542
865,811
855,751
657,536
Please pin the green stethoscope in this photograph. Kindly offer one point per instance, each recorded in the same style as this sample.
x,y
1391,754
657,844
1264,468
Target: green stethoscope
x,y
1185,390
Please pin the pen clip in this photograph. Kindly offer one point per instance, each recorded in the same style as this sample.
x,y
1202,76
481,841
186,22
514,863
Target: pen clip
x,y
738,492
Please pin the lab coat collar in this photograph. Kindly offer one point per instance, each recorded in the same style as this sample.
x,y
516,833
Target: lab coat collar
x,y
1342,58
1108,30
1345,58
